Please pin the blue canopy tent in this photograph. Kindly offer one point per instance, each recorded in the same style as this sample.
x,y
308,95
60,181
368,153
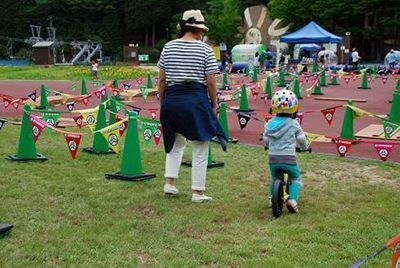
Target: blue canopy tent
x,y
311,33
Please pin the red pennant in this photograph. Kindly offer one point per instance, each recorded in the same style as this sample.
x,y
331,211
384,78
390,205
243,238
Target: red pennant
x,y
37,126
7,102
123,126
342,146
347,79
299,118
15,104
153,113
328,114
384,79
73,141
268,117
158,134
78,120
369,79
383,150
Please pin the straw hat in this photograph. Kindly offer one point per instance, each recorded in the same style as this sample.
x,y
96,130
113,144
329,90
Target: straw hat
x,y
194,18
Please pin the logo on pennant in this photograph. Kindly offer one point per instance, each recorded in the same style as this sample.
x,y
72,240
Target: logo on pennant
x,y
37,127
32,96
70,106
342,146
157,134
78,120
383,150
243,119
384,79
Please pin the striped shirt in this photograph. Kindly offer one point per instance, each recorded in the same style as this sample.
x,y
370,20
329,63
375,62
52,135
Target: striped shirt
x,y
187,61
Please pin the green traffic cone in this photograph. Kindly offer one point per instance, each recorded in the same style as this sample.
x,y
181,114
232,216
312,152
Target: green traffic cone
x,y
223,121
398,84
317,90
149,82
225,83
44,103
287,69
322,79
334,81
131,162
297,89
315,68
281,82
84,89
244,102
100,144
375,70
113,110
255,75
364,82
394,115
246,71
347,131
26,146
115,83
268,88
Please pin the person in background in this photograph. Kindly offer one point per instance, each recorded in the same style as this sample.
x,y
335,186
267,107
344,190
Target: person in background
x,y
281,134
355,59
188,98
95,69
392,59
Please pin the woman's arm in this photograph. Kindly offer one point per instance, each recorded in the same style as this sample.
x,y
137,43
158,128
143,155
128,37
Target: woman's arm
x,y
212,89
161,85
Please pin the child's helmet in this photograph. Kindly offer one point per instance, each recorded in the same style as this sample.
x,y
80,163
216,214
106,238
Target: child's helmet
x,y
284,101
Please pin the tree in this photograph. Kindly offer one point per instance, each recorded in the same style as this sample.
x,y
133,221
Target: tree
x,y
223,17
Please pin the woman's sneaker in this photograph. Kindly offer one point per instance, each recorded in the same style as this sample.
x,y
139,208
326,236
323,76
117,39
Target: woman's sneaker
x,y
170,190
291,205
200,198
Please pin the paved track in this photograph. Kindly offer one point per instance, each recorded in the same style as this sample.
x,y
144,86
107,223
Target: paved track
x,y
377,97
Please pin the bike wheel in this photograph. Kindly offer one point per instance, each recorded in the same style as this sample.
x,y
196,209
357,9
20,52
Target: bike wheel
x,y
277,198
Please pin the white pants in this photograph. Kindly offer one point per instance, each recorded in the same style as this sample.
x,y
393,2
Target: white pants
x,y
199,161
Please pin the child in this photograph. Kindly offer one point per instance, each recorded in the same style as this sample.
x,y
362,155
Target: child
x,y
95,68
281,134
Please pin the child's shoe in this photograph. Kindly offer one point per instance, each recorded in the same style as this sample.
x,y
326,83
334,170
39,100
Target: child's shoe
x,y
291,205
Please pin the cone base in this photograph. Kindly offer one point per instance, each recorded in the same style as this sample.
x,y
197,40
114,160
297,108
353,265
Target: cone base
x,y
244,110
364,88
5,228
209,165
225,88
15,157
334,84
91,150
119,176
317,93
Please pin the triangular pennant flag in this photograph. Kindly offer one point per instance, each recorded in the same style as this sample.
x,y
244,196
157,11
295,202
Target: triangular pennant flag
x,y
37,126
383,150
111,134
384,79
78,120
7,102
268,117
15,103
299,117
123,126
243,119
51,119
149,127
342,146
328,115
136,109
357,112
236,95
85,100
33,95
311,137
73,141
100,92
89,117
347,79
153,113
144,92
389,128
74,87
2,123
127,86
70,106
158,134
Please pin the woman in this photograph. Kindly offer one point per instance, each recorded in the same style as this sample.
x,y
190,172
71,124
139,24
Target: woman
x,y
187,91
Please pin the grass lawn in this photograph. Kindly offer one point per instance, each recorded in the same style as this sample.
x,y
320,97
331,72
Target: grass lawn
x,y
66,214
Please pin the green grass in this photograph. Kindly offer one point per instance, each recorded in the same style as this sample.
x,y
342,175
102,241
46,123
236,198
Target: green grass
x,y
66,214
72,72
